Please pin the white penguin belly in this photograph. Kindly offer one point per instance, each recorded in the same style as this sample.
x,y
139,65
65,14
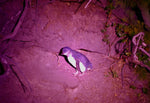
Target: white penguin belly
x,y
73,62
82,67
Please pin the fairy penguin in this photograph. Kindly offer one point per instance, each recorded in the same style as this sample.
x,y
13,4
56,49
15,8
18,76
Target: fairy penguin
x,y
79,61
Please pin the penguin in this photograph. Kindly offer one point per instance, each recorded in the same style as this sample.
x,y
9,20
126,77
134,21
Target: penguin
x,y
76,59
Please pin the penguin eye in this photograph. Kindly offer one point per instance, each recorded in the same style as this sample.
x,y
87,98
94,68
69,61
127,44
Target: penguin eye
x,y
65,50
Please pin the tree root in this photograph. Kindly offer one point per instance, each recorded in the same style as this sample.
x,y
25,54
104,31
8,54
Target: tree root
x,y
7,65
136,41
20,21
22,85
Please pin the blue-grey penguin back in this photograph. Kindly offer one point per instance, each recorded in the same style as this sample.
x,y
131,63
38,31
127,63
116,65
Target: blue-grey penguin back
x,y
82,58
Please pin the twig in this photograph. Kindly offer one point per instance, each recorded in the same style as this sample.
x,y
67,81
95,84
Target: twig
x,y
122,77
91,51
87,4
144,51
8,22
22,85
14,64
136,40
141,64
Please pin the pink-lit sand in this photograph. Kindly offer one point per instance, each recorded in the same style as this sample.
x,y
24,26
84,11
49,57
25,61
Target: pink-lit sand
x,y
46,29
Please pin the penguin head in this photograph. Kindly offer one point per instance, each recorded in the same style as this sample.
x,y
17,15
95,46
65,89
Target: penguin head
x,y
65,51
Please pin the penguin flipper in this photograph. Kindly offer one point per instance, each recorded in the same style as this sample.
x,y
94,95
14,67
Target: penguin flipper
x,y
77,68
77,65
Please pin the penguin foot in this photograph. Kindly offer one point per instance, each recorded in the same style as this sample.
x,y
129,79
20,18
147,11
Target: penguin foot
x,y
89,69
76,73
81,74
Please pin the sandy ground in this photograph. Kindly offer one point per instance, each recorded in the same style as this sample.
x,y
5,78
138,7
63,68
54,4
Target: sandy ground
x,y
47,28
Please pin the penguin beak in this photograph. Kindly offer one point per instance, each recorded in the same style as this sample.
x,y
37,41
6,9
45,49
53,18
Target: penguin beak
x,y
61,53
